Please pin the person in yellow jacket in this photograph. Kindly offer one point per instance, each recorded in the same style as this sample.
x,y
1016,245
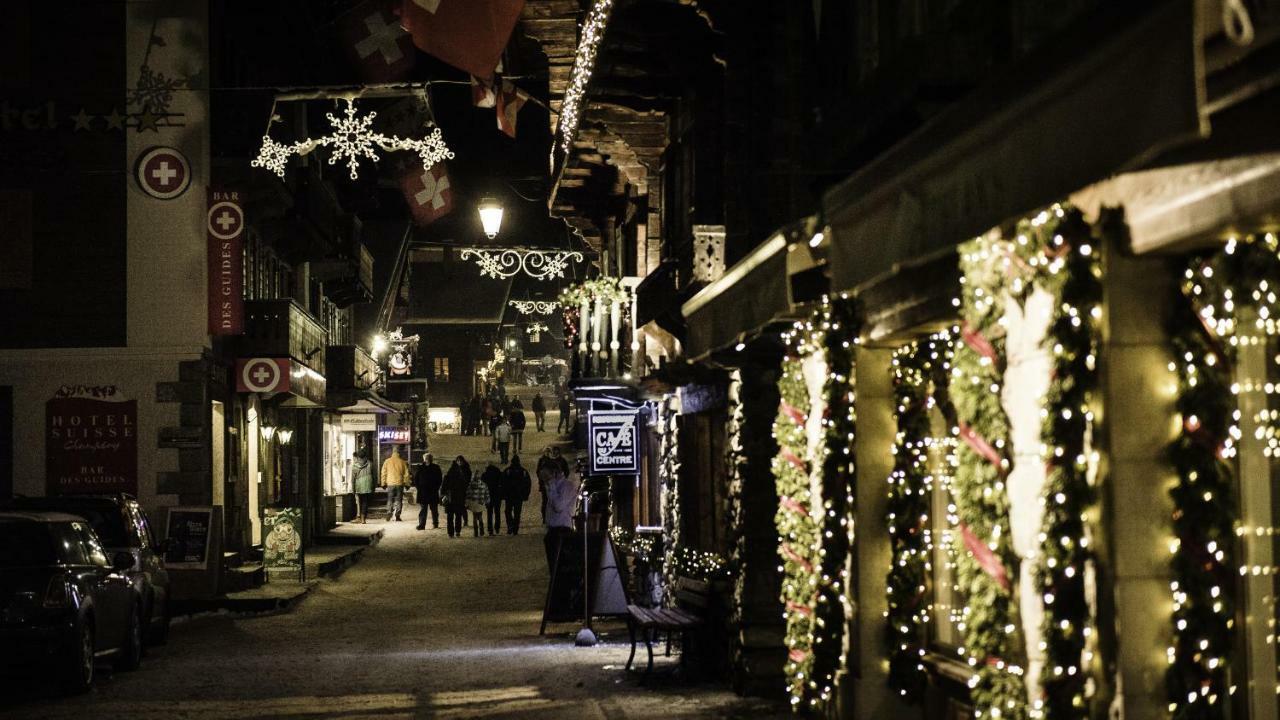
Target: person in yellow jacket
x,y
395,476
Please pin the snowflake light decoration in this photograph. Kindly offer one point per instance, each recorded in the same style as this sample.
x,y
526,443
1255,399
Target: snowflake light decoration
x,y
352,138
530,307
154,90
537,264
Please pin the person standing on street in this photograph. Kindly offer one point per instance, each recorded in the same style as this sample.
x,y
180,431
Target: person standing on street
x,y
562,500
428,480
455,495
518,422
362,483
395,476
517,487
493,480
564,424
502,438
477,501
539,408
546,467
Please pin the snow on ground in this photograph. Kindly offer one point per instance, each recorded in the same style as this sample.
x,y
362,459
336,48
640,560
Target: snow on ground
x,y
423,626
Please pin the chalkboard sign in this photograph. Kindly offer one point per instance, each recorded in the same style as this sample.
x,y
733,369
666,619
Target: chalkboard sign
x,y
564,591
282,545
188,534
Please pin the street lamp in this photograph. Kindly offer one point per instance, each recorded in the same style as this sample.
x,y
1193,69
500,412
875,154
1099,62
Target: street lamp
x,y
285,435
490,216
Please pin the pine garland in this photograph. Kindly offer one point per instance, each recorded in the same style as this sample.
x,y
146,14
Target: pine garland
x,y
988,571
799,533
907,582
1071,272
1203,334
837,321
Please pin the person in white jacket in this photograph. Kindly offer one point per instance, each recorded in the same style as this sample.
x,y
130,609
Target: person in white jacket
x,y
502,436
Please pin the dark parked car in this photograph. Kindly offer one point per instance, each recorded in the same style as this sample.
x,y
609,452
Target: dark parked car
x,y
62,600
122,526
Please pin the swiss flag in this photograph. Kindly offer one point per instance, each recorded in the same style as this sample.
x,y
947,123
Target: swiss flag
x,y
482,93
509,101
467,34
428,192
376,42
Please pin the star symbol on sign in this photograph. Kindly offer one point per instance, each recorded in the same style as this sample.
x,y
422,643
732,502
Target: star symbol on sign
x,y
148,120
429,5
115,121
82,120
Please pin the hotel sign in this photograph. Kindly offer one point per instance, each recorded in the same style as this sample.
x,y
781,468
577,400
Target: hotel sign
x,y
612,442
91,441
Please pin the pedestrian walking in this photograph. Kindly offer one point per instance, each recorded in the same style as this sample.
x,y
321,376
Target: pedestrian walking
x,y
563,424
455,495
544,470
473,408
486,414
539,407
493,480
562,500
362,483
518,422
395,476
502,438
477,501
517,487
428,480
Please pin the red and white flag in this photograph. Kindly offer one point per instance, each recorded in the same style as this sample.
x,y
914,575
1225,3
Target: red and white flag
x,y
467,34
428,192
482,93
376,42
509,101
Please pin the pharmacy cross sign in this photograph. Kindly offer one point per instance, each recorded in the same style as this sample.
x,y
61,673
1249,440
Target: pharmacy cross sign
x,y
162,173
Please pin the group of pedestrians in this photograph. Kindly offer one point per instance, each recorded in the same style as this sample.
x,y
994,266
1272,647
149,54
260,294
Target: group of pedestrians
x,y
481,499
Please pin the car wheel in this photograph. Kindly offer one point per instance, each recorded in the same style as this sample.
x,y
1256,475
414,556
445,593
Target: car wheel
x,y
77,676
130,655
159,626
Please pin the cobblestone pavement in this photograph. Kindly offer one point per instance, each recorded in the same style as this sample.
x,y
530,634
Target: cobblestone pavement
x,y
423,626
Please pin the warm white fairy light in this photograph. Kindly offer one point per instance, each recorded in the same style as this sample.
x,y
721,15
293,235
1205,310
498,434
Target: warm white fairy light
x,y
508,262
352,138
584,62
534,307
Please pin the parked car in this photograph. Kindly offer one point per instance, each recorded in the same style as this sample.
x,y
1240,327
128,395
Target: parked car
x,y
63,601
123,526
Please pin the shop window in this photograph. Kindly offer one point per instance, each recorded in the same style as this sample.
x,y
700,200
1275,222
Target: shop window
x,y
440,370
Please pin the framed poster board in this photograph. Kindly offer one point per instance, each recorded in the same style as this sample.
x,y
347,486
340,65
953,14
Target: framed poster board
x,y
189,533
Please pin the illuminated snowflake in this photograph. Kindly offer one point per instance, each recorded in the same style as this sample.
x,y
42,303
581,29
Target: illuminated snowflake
x,y
154,90
352,138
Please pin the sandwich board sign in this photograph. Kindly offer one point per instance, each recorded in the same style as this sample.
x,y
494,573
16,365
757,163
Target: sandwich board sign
x,y
613,442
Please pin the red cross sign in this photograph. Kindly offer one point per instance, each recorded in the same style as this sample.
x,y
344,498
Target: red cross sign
x,y
163,173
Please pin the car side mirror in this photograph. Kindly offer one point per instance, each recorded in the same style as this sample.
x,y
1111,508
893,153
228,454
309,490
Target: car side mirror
x,y
122,561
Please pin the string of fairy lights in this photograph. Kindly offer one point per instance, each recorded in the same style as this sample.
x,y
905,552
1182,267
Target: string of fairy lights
x,y
1227,303
920,376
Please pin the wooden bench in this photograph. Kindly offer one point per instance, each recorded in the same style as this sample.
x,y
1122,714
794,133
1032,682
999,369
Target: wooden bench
x,y
692,601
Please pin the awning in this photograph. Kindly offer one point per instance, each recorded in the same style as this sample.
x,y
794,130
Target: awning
x,y
1024,143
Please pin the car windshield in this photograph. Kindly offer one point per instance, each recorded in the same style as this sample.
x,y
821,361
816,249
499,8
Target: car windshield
x,y
26,544
105,517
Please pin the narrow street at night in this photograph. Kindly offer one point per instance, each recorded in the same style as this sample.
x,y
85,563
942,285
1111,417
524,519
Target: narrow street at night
x,y
423,626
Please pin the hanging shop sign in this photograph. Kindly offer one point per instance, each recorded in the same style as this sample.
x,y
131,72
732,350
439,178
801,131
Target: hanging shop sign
x,y
400,359
163,173
393,435
282,546
612,442
363,422
225,227
188,535
262,375
91,441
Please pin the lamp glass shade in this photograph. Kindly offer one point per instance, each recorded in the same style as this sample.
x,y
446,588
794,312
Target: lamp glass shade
x,y
268,431
285,435
490,216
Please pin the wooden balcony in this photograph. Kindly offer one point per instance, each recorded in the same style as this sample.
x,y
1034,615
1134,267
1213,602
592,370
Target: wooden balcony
x,y
281,328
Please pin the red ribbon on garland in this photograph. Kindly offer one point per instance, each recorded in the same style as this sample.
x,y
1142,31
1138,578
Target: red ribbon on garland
x,y
795,460
795,557
979,445
798,608
794,413
978,343
797,655
793,506
987,559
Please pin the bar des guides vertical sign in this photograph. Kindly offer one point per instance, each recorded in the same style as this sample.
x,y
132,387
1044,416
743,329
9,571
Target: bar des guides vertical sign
x,y
226,262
